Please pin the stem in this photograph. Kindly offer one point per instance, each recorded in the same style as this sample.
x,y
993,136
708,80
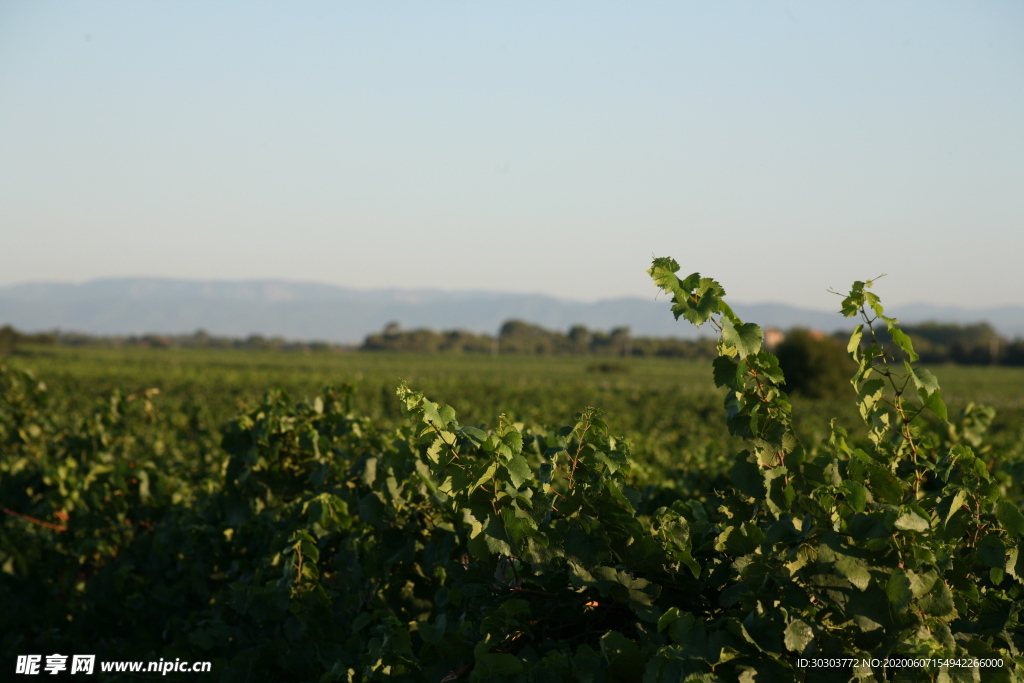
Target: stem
x,y
48,525
579,449
897,404
451,447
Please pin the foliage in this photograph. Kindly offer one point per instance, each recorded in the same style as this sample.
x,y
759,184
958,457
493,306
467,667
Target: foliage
x,y
11,339
314,543
427,341
200,339
815,365
517,337
860,550
976,344
608,367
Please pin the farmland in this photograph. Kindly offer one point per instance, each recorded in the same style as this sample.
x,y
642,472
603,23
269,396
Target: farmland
x,y
223,505
662,405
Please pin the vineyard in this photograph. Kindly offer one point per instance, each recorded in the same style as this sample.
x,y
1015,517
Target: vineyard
x,y
530,519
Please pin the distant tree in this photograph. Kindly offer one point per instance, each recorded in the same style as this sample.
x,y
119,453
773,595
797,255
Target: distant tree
x,y
8,340
976,344
621,341
423,340
521,337
1014,353
11,339
815,365
517,337
579,339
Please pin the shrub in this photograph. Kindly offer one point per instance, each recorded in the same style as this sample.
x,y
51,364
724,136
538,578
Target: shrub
x,y
815,365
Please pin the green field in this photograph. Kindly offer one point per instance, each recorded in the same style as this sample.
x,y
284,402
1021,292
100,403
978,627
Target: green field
x,y
651,400
174,503
669,409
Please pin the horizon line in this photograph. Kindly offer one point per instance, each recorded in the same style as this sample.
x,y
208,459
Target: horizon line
x,y
439,290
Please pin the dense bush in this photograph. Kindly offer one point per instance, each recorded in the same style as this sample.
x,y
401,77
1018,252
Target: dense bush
x,y
11,339
976,344
815,365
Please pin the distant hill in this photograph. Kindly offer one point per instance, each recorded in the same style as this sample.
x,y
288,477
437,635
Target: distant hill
x,y
300,310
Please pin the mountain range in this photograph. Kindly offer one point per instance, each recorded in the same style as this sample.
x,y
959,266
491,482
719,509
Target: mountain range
x,y
312,311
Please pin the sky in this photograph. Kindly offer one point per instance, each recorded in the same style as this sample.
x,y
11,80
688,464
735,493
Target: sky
x,y
783,148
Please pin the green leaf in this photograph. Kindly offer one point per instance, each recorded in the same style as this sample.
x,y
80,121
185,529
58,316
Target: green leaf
x,y
939,602
438,417
694,298
432,633
875,303
369,474
854,344
623,655
588,549
872,387
920,584
991,551
853,570
852,303
663,271
746,338
518,470
740,540
883,485
474,435
958,503
856,494
934,403
925,379
690,283
709,300
1012,558
488,540
746,476
728,373
996,575
900,338
495,664
767,366
898,590
517,527
689,632
668,618
963,458
1010,518
798,635
909,520
614,461
780,494
371,509
510,444
677,529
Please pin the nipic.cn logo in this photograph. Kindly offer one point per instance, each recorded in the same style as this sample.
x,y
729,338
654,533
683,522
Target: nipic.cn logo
x,y
55,663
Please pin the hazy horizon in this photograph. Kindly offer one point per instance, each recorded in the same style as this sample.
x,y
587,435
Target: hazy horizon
x,y
781,148
312,311
655,296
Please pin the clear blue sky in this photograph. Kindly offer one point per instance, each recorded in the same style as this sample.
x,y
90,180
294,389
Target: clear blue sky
x,y
782,148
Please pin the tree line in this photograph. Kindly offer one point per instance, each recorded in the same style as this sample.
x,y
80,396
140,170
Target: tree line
x,y
11,340
517,337
975,344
